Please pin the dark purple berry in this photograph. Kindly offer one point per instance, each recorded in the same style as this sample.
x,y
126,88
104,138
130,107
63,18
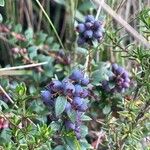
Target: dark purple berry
x,y
120,89
76,75
97,34
125,85
81,28
55,85
111,78
105,86
77,101
85,81
78,90
125,74
83,107
120,80
96,25
70,125
127,80
119,70
88,34
69,89
104,83
89,18
81,41
85,93
47,97
88,25
114,67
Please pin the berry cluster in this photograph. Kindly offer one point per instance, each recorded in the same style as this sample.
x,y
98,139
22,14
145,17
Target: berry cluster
x,y
120,79
74,89
90,30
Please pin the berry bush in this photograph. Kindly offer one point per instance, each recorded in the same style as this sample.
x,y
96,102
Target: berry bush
x,y
74,75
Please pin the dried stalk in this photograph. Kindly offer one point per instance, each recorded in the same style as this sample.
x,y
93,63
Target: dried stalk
x,y
131,30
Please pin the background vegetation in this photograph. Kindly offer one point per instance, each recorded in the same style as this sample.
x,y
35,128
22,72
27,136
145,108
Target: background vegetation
x,y
43,34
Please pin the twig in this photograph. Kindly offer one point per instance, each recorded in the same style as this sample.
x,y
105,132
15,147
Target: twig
x,y
15,72
99,9
143,111
23,66
99,140
50,22
1,88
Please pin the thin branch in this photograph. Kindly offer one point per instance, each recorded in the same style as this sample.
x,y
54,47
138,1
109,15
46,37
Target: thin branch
x,y
23,66
5,93
99,9
51,24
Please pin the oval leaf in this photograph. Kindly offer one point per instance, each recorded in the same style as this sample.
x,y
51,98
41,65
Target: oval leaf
x,y
2,3
60,105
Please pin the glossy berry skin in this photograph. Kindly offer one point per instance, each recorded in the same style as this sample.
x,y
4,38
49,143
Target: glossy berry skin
x,y
85,93
85,81
96,25
83,107
77,101
89,31
81,41
125,85
89,18
120,80
81,28
119,70
125,74
105,86
47,97
76,75
88,25
97,34
69,89
114,67
78,90
55,85
70,125
88,34
127,79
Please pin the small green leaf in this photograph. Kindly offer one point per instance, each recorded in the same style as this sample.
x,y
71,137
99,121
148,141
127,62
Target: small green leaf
x,y
55,126
72,143
85,145
21,89
85,118
59,147
84,130
60,105
102,73
2,103
106,109
29,33
72,115
2,3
